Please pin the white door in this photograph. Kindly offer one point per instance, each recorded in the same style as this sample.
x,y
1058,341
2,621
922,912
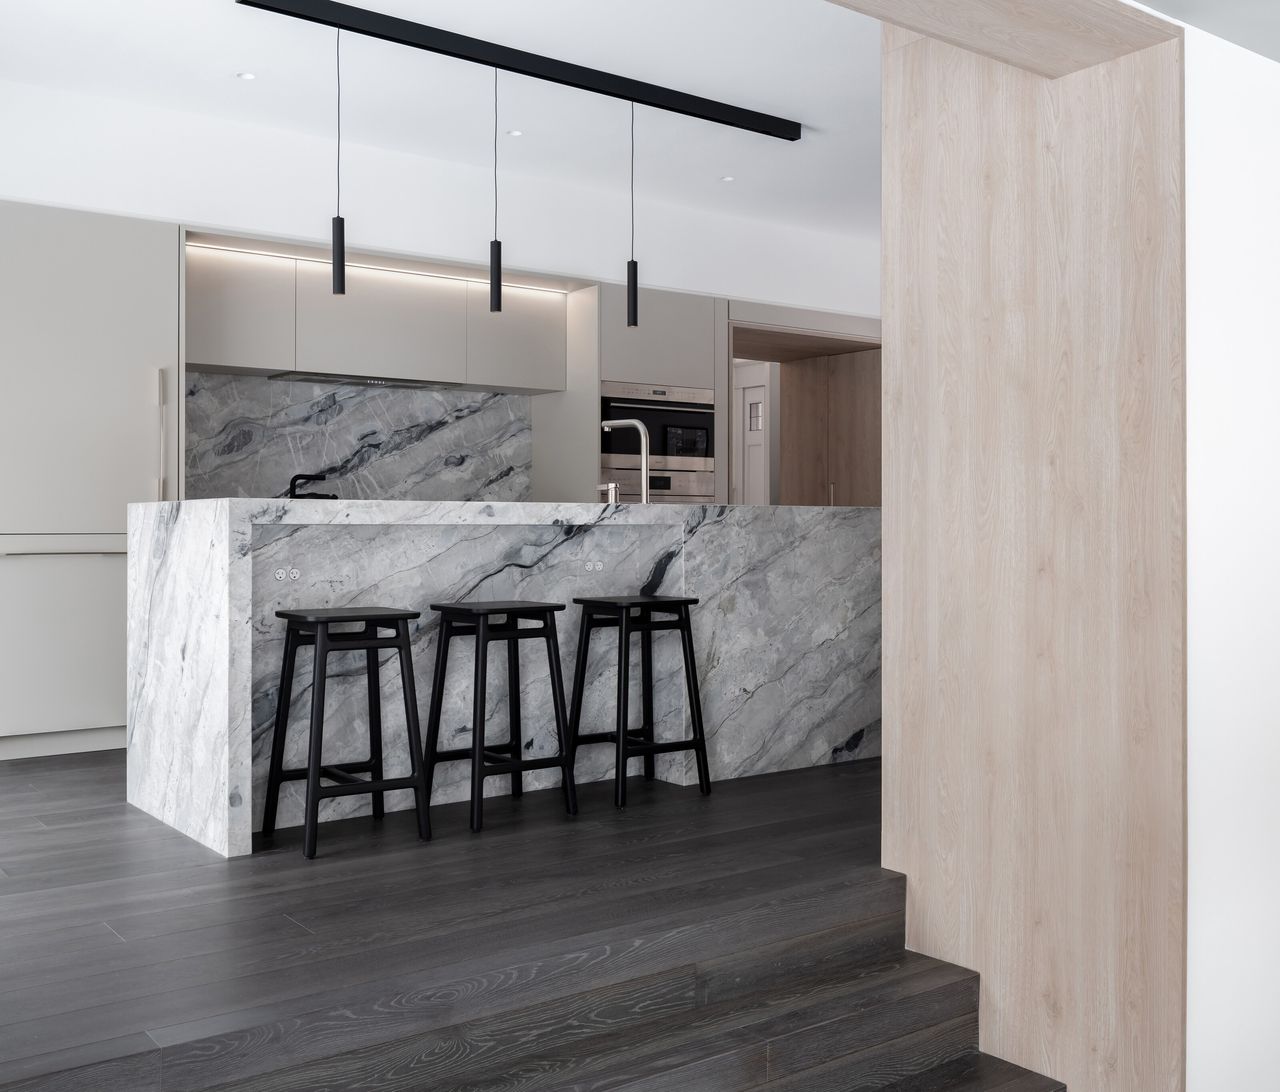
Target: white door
x,y
751,469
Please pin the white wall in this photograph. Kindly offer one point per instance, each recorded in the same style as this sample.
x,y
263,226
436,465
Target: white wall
x,y
1233,457
141,159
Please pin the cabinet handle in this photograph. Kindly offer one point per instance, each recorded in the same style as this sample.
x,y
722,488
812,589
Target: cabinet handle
x,y
164,436
64,553
832,493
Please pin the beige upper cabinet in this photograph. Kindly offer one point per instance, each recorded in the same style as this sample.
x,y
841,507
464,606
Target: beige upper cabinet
x,y
389,325
88,319
521,347
239,310
675,343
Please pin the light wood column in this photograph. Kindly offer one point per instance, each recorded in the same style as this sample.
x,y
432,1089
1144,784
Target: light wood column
x,y
1034,547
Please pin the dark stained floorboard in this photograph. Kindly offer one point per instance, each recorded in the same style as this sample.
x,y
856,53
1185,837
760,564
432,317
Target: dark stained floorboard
x,y
113,927
744,941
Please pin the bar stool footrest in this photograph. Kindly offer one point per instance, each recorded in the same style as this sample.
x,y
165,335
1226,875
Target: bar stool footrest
x,y
634,736
524,765
634,749
358,787
597,737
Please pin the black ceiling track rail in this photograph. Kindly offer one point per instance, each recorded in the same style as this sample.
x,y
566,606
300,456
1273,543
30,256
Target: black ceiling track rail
x,y
374,24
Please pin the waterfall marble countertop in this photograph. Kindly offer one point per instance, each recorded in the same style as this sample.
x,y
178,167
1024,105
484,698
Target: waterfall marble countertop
x,y
787,635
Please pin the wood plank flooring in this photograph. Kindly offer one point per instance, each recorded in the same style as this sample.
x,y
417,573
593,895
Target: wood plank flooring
x,y
730,942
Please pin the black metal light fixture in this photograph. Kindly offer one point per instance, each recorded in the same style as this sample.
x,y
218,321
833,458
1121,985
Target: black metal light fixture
x,y
388,28
339,226
633,270
495,246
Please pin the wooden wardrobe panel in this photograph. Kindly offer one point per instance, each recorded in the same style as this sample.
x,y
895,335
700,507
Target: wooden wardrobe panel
x,y
803,416
855,429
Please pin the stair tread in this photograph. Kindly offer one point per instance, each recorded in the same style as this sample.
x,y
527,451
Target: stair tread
x,y
521,1050
977,1073
723,1046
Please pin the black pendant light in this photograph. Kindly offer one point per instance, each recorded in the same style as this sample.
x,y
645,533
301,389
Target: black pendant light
x,y
495,247
339,227
633,270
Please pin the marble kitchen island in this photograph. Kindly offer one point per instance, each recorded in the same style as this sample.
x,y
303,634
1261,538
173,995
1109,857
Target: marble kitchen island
x,y
787,636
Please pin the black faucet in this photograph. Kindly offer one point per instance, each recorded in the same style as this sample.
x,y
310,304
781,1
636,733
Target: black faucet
x,y
298,479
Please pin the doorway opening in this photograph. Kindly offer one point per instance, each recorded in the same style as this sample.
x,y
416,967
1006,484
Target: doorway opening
x,y
805,420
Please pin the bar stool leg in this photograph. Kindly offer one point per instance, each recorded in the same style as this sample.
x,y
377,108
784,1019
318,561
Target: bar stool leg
x,y
477,724
624,694
316,742
279,731
695,702
375,725
421,799
513,705
579,682
437,702
567,780
646,691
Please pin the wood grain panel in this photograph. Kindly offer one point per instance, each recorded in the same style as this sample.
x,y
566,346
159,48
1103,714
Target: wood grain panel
x,y
784,346
803,418
1034,542
1050,37
853,447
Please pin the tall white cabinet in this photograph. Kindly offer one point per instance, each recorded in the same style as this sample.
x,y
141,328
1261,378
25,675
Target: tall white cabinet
x,y
89,351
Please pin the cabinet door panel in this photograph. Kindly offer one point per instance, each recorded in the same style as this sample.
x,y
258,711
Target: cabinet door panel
x,y
389,325
521,347
88,319
674,344
62,648
239,309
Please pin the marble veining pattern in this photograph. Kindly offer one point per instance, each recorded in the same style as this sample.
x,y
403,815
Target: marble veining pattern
x,y
248,434
787,633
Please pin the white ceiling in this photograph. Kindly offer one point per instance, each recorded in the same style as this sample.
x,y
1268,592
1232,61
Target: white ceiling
x,y
805,59
1254,24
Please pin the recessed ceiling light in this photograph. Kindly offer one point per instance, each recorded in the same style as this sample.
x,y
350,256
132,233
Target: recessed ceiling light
x,y
726,178
245,76
515,132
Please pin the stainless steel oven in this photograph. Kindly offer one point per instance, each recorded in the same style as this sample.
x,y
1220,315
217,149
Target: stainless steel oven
x,y
682,442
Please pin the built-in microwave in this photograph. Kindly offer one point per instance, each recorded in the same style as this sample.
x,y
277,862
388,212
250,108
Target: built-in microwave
x,y
682,441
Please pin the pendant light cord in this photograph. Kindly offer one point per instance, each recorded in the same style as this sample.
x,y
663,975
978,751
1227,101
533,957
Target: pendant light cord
x,y
495,153
633,181
337,60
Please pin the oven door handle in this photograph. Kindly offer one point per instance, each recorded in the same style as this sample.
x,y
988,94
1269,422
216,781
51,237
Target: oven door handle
x,y
660,407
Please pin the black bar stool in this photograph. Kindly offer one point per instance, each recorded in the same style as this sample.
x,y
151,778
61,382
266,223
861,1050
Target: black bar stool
x,y
312,627
615,612
477,619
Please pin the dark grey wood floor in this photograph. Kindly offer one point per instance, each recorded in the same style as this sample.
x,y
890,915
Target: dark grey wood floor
x,y
688,942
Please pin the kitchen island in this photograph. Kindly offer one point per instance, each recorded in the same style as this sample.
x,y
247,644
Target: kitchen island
x,y
787,636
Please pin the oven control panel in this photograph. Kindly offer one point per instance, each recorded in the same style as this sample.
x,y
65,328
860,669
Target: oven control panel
x,y
644,392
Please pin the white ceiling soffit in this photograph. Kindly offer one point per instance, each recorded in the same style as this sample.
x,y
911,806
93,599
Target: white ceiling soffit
x,y
805,59
1253,24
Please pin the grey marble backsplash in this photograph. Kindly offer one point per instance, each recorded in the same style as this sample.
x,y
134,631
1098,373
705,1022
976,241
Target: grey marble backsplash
x,y
247,435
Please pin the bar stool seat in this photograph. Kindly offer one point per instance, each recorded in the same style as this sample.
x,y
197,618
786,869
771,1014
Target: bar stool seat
x,y
381,628
646,615
490,622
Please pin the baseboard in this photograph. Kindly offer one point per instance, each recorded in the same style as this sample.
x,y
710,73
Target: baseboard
x,y
38,744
